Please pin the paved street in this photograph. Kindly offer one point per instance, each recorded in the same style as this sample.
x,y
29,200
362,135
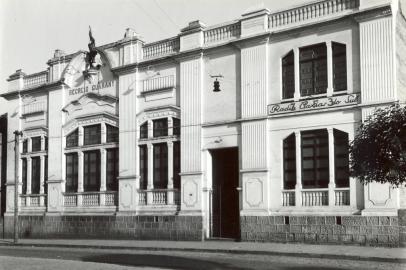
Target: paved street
x,y
15,258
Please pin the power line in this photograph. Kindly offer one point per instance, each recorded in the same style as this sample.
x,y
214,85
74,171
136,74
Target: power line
x,y
150,17
167,16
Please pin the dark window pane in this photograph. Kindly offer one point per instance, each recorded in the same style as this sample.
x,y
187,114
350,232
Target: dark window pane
x,y
112,134
91,171
176,126
144,131
91,135
315,159
288,76
313,70
176,165
46,175
46,143
289,162
341,158
339,66
71,172
35,174
143,166
24,176
72,139
160,166
112,169
35,144
160,127
25,146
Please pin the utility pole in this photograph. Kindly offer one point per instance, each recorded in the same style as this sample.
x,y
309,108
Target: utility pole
x,y
17,135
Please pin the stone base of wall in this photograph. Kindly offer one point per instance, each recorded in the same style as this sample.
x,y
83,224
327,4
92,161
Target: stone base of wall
x,y
356,230
108,227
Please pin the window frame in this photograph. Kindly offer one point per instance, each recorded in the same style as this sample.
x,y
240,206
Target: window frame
x,y
72,175
89,138
36,144
91,175
319,148
72,139
319,59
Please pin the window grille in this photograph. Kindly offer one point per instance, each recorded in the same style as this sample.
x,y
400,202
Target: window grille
x,y
92,135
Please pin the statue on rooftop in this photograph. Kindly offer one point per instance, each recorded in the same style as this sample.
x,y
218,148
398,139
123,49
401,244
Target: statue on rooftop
x,y
92,61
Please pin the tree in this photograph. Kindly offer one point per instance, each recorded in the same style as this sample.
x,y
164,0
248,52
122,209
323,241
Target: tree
x,y
378,152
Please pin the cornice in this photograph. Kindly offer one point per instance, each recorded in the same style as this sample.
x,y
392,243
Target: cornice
x,y
38,88
373,13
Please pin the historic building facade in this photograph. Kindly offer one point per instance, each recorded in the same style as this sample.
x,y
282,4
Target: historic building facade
x,y
239,130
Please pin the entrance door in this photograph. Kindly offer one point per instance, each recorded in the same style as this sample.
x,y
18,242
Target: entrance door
x,y
225,214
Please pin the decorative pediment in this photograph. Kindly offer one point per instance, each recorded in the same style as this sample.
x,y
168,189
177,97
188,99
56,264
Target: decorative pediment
x,y
158,112
89,99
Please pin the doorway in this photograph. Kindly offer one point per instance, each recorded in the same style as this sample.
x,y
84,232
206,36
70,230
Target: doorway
x,y
225,210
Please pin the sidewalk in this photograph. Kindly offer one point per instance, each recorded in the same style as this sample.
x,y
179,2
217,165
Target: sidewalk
x,y
297,250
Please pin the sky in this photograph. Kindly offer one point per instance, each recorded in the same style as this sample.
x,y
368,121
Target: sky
x,y
31,30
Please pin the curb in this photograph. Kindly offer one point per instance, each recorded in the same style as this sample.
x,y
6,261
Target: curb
x,y
228,251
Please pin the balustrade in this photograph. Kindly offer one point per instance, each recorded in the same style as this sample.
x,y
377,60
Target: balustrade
x,y
288,198
222,33
159,83
342,197
90,199
159,197
35,79
316,197
311,11
161,48
32,200
34,107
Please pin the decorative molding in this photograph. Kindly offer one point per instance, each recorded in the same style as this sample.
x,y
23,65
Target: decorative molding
x,y
91,97
190,193
159,112
90,120
35,131
254,192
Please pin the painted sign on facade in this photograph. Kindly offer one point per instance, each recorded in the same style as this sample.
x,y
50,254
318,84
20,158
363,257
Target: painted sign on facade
x,y
91,87
314,104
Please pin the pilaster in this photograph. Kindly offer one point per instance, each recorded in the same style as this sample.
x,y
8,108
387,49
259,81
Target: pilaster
x,y
42,179
331,185
298,186
330,86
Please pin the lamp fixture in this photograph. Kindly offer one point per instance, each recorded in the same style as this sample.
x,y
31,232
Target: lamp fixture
x,y
216,84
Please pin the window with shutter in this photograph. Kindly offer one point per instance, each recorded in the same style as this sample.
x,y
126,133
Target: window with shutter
x,y
341,159
339,66
35,175
143,166
144,131
112,169
313,70
72,140
92,135
288,76
71,184
91,171
160,165
160,127
315,159
289,162
112,134
35,144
